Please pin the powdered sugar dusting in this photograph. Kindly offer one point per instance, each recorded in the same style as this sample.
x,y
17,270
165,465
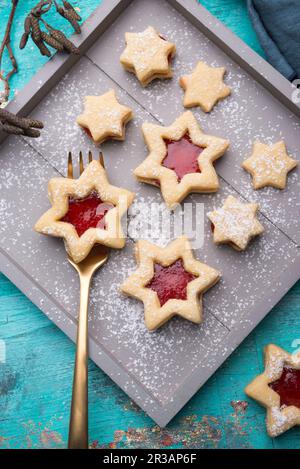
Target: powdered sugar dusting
x,y
250,113
164,360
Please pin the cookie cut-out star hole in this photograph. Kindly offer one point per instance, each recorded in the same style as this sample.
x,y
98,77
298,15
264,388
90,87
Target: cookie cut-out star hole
x,y
288,387
182,156
169,281
85,211
278,389
181,159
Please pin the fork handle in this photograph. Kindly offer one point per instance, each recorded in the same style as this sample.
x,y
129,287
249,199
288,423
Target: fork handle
x,y
78,429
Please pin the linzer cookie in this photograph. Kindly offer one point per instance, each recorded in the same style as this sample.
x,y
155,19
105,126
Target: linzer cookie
x,y
181,159
169,281
85,211
204,87
269,165
278,389
148,55
235,223
104,117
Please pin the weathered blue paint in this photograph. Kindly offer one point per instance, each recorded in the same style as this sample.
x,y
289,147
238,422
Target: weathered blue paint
x,y
35,381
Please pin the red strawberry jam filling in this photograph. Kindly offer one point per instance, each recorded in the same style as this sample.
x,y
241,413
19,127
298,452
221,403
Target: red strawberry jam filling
x,y
87,213
170,56
88,132
182,156
288,387
170,282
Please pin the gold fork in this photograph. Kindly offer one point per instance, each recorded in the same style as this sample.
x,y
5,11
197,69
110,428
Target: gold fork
x,y
78,429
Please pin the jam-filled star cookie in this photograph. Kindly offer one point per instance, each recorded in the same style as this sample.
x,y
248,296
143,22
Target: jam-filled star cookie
x,y
85,211
269,165
235,223
204,87
104,117
181,159
169,281
148,55
278,389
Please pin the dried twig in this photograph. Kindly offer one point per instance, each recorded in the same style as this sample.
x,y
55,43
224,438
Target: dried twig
x,y
10,123
62,39
6,45
55,38
23,122
17,125
68,14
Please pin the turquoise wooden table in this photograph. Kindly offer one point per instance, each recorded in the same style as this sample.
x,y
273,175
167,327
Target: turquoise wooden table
x,y
36,377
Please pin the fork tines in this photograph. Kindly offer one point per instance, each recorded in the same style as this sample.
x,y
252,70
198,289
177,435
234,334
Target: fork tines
x,y
80,161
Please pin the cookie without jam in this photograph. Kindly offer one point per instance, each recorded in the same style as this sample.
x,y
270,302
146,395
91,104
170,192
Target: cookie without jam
x,y
148,55
104,117
235,223
269,165
204,87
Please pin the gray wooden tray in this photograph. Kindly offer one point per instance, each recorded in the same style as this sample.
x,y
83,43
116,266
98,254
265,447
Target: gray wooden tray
x,y
160,370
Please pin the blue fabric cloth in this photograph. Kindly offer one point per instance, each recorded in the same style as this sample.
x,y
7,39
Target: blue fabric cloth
x,y
277,24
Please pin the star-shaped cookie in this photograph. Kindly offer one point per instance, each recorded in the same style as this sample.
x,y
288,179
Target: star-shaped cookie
x,y
104,117
279,417
152,259
61,190
235,223
204,87
269,165
148,54
153,171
